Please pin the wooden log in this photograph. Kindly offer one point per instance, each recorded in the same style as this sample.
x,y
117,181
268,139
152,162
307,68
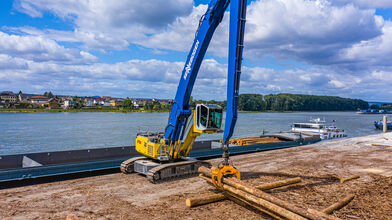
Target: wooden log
x,y
245,203
269,206
279,183
339,205
72,217
238,184
202,200
349,178
381,145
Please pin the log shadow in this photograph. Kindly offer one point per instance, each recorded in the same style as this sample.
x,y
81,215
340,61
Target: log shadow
x,y
254,175
320,180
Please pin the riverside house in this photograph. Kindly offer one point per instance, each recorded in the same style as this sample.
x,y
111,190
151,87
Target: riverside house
x,y
68,104
39,99
53,103
7,97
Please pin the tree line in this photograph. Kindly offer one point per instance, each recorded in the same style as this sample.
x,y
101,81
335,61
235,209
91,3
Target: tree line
x,y
386,106
382,107
296,102
291,102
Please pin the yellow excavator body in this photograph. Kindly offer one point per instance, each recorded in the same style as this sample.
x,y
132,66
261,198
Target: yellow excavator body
x,y
155,147
164,159
149,147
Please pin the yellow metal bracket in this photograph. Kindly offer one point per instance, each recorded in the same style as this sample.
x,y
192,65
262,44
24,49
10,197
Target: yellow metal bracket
x,y
224,170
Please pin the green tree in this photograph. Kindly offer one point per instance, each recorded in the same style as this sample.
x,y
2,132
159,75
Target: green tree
x,y
192,104
386,106
149,106
295,102
50,95
374,106
251,102
156,106
128,104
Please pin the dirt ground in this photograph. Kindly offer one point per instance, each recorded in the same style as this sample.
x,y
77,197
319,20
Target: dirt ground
x,y
119,196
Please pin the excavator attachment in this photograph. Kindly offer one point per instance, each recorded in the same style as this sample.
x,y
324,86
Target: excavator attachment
x,y
224,170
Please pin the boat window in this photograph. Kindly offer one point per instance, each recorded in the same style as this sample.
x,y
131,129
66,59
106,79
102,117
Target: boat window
x,y
311,126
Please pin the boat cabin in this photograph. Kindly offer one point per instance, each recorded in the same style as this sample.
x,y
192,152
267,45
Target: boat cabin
x,y
309,125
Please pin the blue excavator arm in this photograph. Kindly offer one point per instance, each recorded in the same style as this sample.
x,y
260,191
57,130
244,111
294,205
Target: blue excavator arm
x,y
236,42
180,111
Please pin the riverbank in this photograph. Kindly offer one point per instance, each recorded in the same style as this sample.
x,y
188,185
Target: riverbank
x,y
77,110
129,110
321,165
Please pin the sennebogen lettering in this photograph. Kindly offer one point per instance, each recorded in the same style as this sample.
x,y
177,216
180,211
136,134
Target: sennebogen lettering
x,y
188,66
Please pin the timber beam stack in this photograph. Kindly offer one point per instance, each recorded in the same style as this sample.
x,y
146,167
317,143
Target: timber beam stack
x,y
253,140
247,195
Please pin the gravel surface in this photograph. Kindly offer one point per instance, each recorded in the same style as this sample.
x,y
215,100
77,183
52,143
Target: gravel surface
x,y
321,165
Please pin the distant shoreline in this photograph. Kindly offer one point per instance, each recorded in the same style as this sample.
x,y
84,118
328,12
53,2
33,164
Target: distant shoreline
x,y
128,111
73,110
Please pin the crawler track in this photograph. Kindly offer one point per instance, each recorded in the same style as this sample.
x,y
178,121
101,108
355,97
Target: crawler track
x,y
127,166
175,170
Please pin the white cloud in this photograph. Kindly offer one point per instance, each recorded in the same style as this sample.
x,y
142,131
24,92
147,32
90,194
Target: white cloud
x,y
40,49
382,76
373,53
179,34
155,78
314,32
337,84
366,3
345,45
57,35
100,25
309,31
121,13
7,62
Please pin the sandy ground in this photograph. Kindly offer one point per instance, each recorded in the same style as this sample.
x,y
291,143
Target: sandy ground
x,y
119,196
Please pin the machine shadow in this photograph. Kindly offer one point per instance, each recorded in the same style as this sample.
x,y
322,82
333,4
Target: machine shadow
x,y
50,179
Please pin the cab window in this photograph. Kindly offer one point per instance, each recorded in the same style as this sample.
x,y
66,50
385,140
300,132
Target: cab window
x,y
215,118
203,115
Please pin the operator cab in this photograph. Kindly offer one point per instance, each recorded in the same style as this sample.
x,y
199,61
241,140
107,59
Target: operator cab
x,y
208,117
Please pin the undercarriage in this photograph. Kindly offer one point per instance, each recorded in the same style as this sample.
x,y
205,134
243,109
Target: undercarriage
x,y
156,171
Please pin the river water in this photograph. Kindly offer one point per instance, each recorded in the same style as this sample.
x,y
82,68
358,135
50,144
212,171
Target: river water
x,y
41,132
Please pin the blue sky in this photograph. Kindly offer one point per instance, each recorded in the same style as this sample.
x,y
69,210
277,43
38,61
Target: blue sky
x,y
137,48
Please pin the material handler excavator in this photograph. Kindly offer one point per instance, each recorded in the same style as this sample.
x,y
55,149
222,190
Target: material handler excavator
x,y
166,154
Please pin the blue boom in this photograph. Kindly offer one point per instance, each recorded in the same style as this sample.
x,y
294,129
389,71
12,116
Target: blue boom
x,y
180,111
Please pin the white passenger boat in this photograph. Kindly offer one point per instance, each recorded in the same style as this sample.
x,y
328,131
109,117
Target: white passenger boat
x,y
320,127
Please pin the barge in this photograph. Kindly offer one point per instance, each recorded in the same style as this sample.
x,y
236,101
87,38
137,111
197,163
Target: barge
x,y
35,165
319,126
